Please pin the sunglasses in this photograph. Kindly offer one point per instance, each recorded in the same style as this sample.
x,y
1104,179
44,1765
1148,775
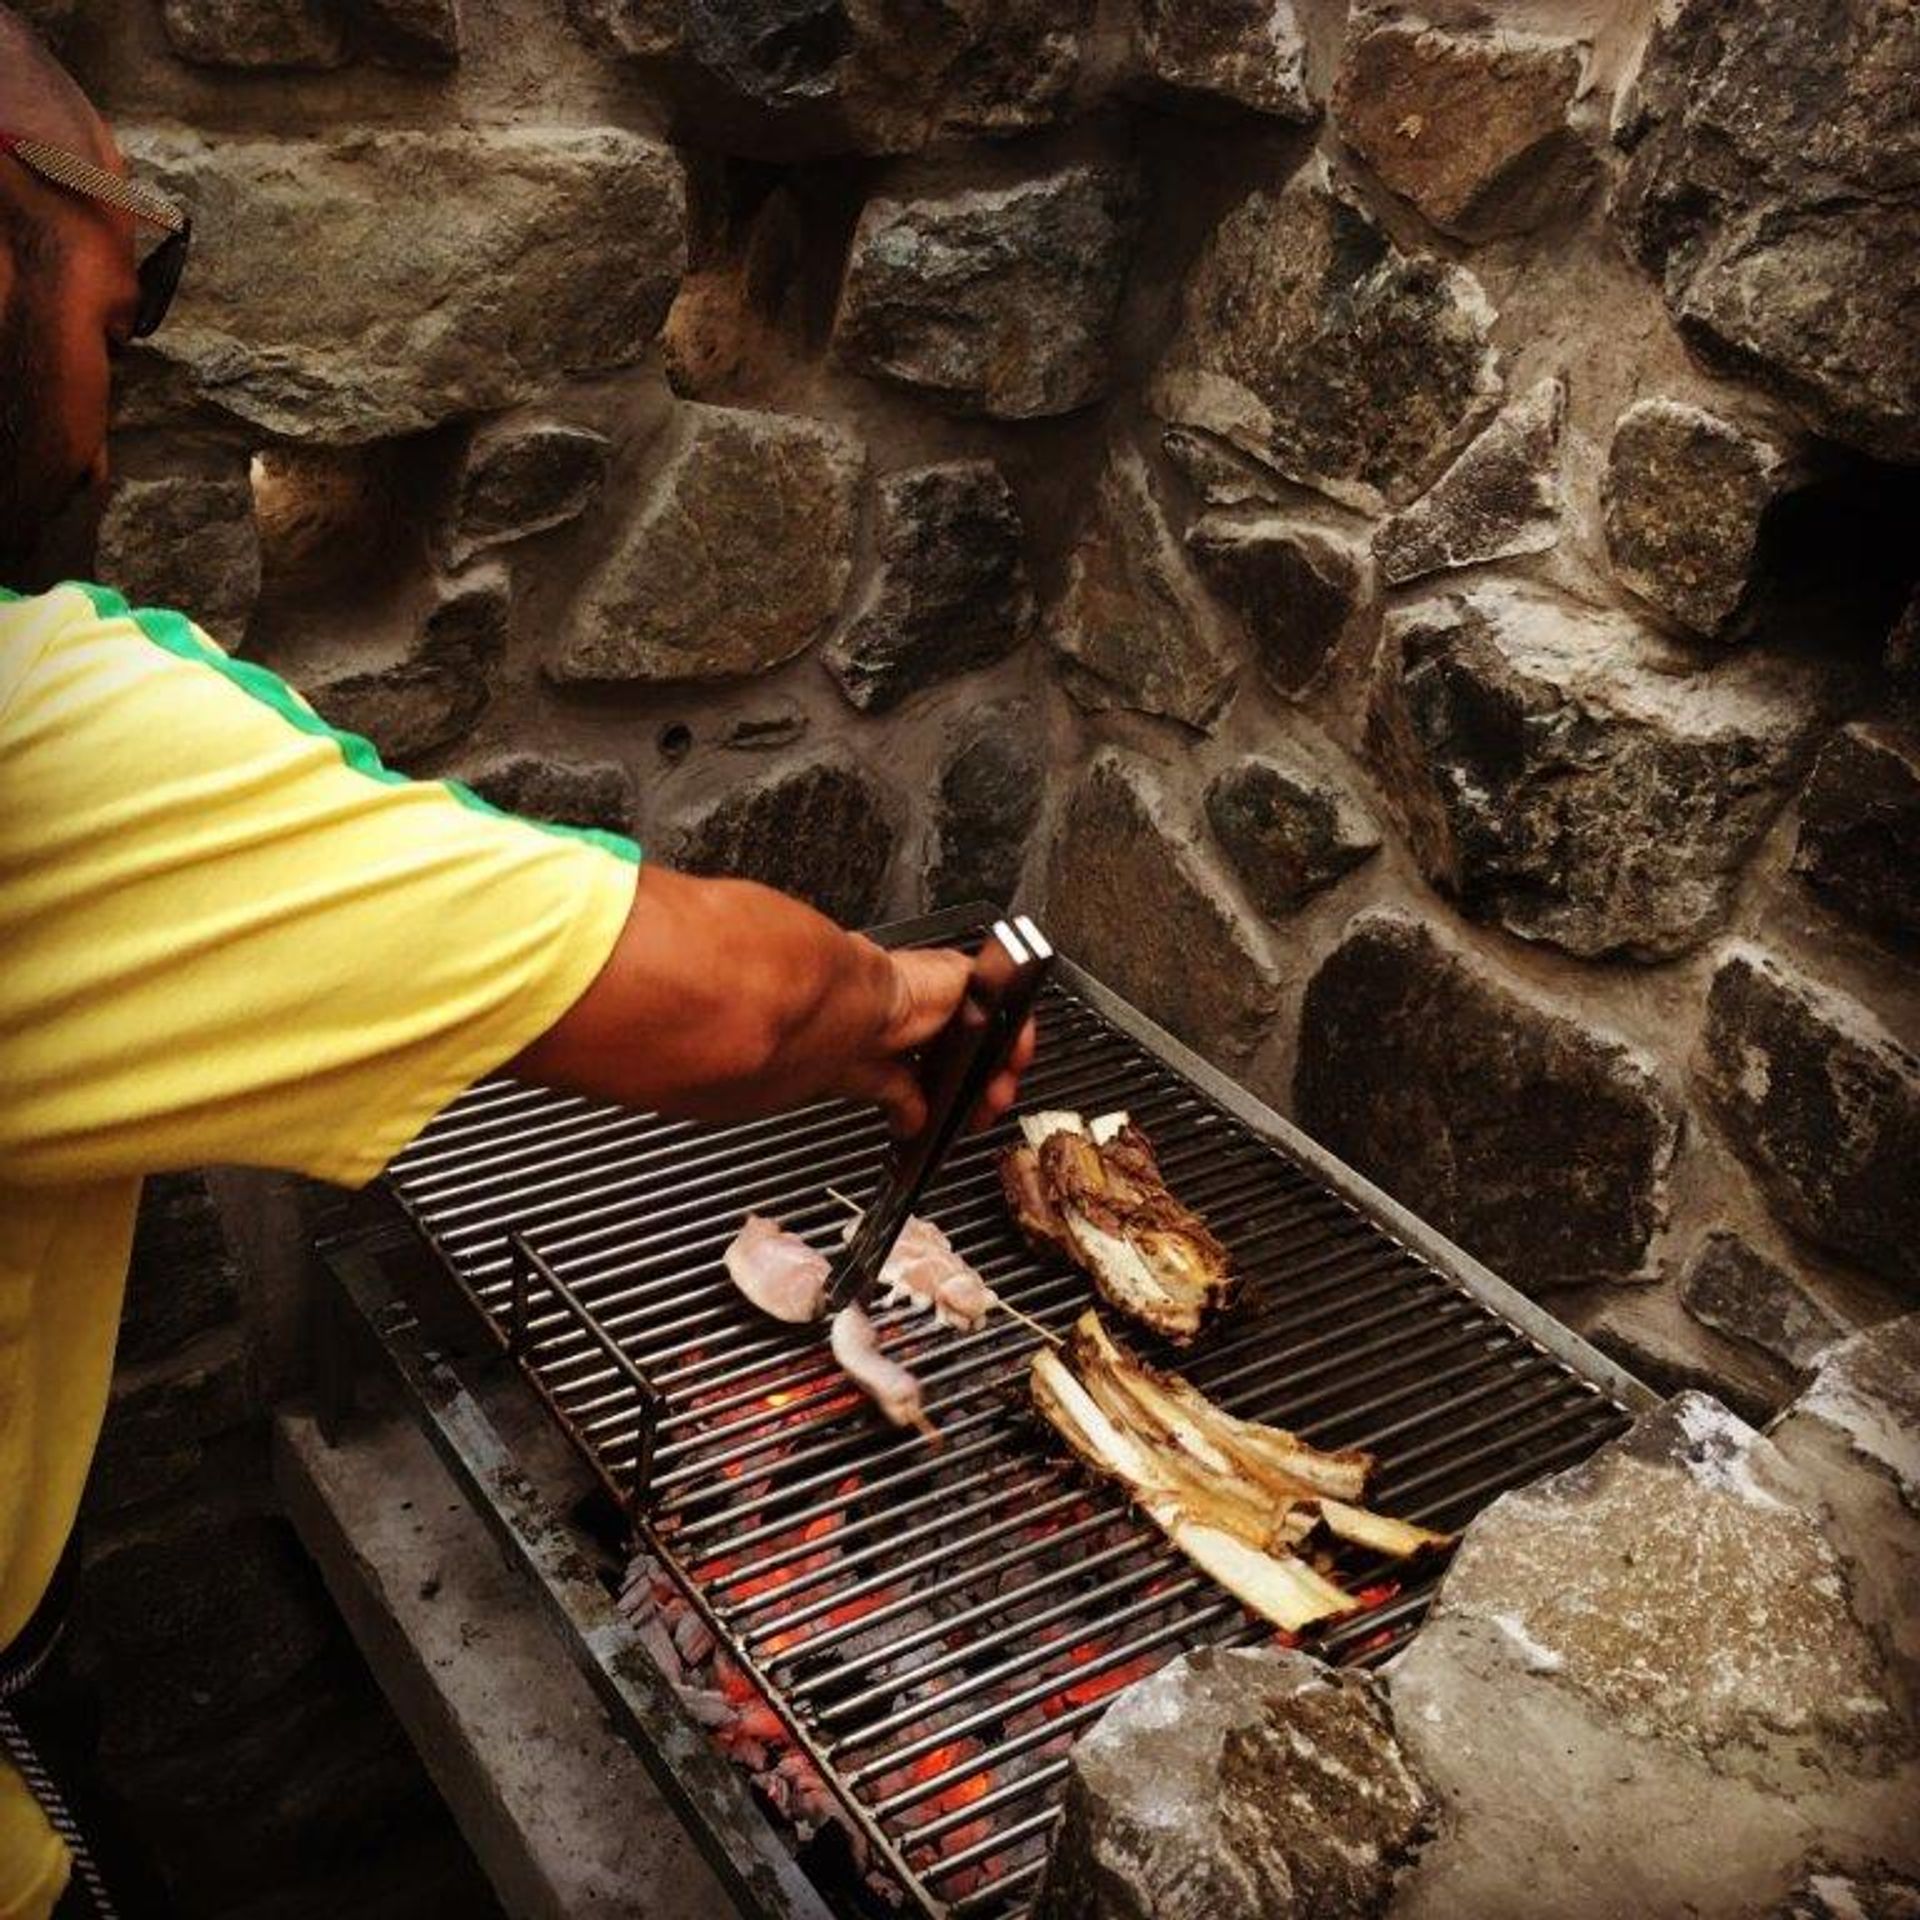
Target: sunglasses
x,y
159,273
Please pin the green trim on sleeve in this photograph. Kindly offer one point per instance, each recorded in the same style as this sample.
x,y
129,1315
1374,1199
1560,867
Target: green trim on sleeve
x,y
175,634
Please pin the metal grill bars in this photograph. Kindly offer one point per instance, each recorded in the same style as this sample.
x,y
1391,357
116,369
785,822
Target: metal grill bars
x,y
935,1629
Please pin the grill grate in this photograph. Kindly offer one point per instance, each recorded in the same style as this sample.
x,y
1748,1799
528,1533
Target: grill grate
x,y
936,1628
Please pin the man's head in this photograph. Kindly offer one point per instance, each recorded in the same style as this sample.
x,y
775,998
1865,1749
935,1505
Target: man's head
x,y
68,296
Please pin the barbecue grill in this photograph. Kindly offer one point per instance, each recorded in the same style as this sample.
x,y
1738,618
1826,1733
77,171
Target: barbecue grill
x,y
931,1629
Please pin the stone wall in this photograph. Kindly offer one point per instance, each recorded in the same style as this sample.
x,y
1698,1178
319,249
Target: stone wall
x,y
1390,534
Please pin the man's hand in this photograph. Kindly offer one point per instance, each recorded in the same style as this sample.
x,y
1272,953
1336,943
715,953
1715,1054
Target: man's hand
x,y
723,1000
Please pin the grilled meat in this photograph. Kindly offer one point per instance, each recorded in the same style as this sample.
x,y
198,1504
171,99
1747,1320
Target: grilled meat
x,y
777,1270
856,1347
1095,1192
923,1266
1236,1496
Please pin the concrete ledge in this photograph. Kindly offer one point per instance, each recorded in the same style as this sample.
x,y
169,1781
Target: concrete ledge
x,y
559,1811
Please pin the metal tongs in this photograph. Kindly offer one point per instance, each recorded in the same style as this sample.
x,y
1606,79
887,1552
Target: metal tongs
x,y
954,1071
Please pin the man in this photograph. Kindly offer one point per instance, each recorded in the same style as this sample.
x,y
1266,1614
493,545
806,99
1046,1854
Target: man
x,y
228,934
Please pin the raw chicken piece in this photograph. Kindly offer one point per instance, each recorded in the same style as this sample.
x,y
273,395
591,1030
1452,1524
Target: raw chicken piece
x,y
924,1267
856,1347
777,1270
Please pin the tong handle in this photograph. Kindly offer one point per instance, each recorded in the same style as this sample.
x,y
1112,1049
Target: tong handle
x,y
965,1055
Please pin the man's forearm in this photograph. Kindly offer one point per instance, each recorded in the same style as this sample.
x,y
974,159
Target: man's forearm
x,y
722,998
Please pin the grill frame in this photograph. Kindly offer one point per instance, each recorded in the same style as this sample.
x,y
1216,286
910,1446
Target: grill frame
x,y
515,1320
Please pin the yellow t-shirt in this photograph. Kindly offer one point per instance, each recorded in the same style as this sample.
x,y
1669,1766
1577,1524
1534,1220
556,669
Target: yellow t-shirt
x,y
227,934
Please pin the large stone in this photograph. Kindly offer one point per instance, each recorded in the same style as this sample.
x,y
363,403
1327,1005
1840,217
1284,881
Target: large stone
x,y
1860,827
1823,1103
1539,1143
1289,831
801,77
1310,341
1500,498
1471,127
820,831
1298,591
1774,186
1128,898
185,1632
1736,1291
1560,775
737,558
1855,1431
999,300
453,273
570,793
1251,52
521,477
951,593
414,33
1648,1679
186,540
989,799
1683,497
432,697
1132,622
297,34
1237,1783
162,1420
1649,1333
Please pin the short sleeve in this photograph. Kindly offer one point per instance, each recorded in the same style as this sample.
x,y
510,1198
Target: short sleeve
x,y
230,934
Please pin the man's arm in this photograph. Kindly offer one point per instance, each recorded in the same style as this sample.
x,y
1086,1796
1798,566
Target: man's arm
x,y
723,999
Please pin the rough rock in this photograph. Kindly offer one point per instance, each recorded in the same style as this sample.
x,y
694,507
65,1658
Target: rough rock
x,y
1539,1143
414,33
1470,127
1132,619
1855,1432
186,540
182,1280
997,300
520,477
989,798
1501,497
820,831
1646,1677
1560,775
1774,187
1220,474
799,77
1647,1331
1308,340
1289,831
1237,1783
1736,1291
1683,496
432,697
1902,653
294,34
1297,591
736,559
1823,1103
951,593
161,1420
1128,898
593,793
455,273
1860,827
157,1634
1249,51
1871,1893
